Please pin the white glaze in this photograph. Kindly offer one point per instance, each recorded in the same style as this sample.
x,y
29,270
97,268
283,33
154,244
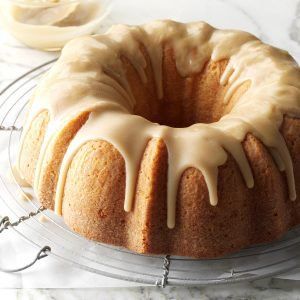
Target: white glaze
x,y
79,82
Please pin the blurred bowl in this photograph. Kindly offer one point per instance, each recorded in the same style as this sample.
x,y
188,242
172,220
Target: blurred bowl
x,y
50,24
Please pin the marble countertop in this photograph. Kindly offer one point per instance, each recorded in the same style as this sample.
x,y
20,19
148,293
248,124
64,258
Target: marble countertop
x,y
275,21
268,289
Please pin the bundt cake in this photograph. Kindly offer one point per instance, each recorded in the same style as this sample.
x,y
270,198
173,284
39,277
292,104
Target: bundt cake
x,y
168,138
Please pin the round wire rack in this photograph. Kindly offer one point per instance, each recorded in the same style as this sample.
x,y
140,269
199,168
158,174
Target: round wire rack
x,y
53,237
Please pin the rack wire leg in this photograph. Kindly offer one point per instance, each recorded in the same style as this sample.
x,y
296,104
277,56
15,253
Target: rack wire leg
x,y
166,267
5,224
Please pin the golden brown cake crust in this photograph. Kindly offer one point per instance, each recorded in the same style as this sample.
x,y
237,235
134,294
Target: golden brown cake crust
x,y
94,190
32,144
242,217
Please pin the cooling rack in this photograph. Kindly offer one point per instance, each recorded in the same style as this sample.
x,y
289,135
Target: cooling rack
x,y
51,237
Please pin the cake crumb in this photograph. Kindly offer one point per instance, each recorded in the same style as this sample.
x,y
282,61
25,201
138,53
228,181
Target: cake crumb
x,y
43,218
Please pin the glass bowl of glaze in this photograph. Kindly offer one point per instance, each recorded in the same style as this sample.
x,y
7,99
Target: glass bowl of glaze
x,y
50,24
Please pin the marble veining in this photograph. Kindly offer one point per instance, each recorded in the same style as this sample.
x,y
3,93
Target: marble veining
x,y
260,290
295,26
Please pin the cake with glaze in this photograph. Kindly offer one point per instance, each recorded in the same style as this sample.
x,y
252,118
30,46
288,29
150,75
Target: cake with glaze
x,y
168,138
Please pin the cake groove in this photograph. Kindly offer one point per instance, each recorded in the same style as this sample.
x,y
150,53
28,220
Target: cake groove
x,y
215,98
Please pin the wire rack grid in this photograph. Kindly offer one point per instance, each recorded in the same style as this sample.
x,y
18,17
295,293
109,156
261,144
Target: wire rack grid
x,y
52,237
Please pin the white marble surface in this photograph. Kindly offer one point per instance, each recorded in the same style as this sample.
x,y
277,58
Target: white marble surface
x,y
264,289
275,21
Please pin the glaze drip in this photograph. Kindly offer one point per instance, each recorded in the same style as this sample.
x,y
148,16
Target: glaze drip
x,y
90,76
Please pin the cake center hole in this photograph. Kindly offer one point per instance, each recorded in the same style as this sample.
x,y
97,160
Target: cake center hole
x,y
186,100
198,98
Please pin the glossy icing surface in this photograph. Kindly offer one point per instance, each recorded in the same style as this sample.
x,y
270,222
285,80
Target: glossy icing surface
x,y
84,79
58,14
50,24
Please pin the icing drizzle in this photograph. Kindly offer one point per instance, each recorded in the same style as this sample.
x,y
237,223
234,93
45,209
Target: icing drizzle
x,y
83,79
